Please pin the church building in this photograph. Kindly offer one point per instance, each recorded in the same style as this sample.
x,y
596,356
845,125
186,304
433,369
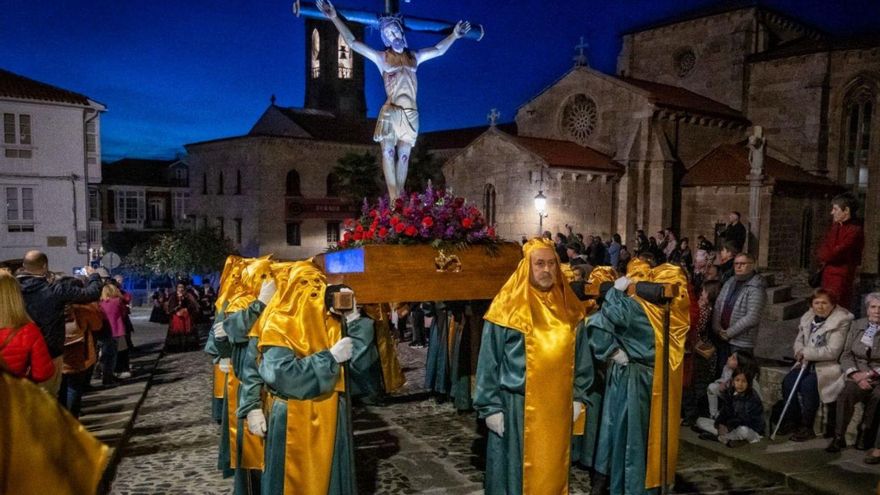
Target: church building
x,y
664,141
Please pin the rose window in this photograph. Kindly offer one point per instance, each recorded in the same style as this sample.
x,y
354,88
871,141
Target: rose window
x,y
684,62
579,118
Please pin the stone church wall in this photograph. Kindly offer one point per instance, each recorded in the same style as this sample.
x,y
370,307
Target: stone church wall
x,y
618,109
702,207
690,142
785,97
586,205
789,239
719,45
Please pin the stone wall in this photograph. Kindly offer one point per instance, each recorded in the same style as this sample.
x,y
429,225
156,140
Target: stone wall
x,y
264,163
719,44
618,109
573,197
787,213
690,142
703,207
785,97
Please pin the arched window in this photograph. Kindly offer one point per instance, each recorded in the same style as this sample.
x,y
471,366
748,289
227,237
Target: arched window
x,y
238,182
859,108
332,185
220,183
316,51
344,59
293,183
489,204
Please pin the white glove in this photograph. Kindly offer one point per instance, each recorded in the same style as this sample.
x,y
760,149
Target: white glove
x,y
256,422
620,357
576,411
342,350
225,365
219,333
622,283
495,422
267,291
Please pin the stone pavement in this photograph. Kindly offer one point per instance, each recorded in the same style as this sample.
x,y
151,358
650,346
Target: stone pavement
x,y
410,445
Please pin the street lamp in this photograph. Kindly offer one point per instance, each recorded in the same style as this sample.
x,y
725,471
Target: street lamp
x,y
540,206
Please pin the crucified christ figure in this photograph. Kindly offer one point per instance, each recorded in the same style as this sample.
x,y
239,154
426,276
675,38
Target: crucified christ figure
x,y
398,123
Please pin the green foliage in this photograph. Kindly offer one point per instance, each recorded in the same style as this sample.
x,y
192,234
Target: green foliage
x,y
423,167
185,252
135,262
359,177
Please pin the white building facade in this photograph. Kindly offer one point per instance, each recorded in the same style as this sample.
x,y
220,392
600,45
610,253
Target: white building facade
x,y
49,168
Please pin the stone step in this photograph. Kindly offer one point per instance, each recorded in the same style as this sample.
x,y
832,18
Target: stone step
x,y
794,308
778,294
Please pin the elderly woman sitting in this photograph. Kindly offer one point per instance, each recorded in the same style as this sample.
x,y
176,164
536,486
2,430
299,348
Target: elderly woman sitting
x,y
818,345
860,363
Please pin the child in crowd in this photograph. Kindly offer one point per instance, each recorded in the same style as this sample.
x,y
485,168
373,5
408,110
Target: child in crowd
x,y
741,418
739,359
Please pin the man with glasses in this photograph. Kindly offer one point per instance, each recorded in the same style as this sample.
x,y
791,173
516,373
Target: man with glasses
x,y
738,309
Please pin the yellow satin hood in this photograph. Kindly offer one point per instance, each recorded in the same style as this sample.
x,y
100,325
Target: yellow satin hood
x,y
519,305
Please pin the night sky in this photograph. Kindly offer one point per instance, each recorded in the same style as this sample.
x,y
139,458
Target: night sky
x,y
179,71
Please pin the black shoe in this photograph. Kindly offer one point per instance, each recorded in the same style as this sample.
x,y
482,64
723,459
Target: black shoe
x,y
837,444
708,436
599,484
803,434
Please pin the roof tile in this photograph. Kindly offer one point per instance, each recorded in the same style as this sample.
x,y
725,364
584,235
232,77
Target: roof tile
x,y
15,86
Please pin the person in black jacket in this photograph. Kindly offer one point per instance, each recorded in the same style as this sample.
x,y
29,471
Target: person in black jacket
x,y
45,301
741,417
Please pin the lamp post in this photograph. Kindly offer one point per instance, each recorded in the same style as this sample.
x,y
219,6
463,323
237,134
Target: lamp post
x,y
541,206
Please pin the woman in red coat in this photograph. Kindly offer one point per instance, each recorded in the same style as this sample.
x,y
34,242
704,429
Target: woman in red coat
x,y
23,352
841,251
181,308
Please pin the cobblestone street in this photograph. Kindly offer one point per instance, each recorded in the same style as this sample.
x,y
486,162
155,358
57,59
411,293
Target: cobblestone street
x,y
412,444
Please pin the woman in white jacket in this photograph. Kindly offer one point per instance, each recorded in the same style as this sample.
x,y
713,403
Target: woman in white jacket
x,y
819,342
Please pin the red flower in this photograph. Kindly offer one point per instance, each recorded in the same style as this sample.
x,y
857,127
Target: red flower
x,y
369,234
349,222
358,236
398,227
407,211
466,223
427,221
374,213
491,232
394,220
359,228
346,236
458,202
411,231
398,203
383,232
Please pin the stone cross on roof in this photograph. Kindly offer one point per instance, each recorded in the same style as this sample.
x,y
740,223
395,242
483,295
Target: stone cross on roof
x,y
580,60
493,116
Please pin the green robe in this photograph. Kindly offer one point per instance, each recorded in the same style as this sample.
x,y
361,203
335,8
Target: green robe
x,y
621,453
437,360
583,447
501,377
292,378
237,326
366,385
217,350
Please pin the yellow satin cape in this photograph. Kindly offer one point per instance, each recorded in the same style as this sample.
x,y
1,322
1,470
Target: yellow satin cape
x,y
679,322
252,448
392,374
219,381
548,321
297,320
43,449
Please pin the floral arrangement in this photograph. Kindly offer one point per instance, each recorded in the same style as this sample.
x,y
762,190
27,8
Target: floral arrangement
x,y
433,217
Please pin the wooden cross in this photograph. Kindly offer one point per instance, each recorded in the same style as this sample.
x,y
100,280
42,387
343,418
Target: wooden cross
x,y
493,116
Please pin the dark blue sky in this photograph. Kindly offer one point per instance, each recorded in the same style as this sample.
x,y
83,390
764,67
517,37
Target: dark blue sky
x,y
178,71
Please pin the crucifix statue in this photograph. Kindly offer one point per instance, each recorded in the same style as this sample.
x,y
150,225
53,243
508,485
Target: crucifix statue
x,y
397,126
493,116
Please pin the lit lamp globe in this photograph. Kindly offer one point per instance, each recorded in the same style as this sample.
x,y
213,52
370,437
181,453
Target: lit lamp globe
x,y
540,202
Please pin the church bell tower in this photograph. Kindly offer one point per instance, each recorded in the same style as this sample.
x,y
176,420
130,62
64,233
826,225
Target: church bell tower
x,y
334,73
